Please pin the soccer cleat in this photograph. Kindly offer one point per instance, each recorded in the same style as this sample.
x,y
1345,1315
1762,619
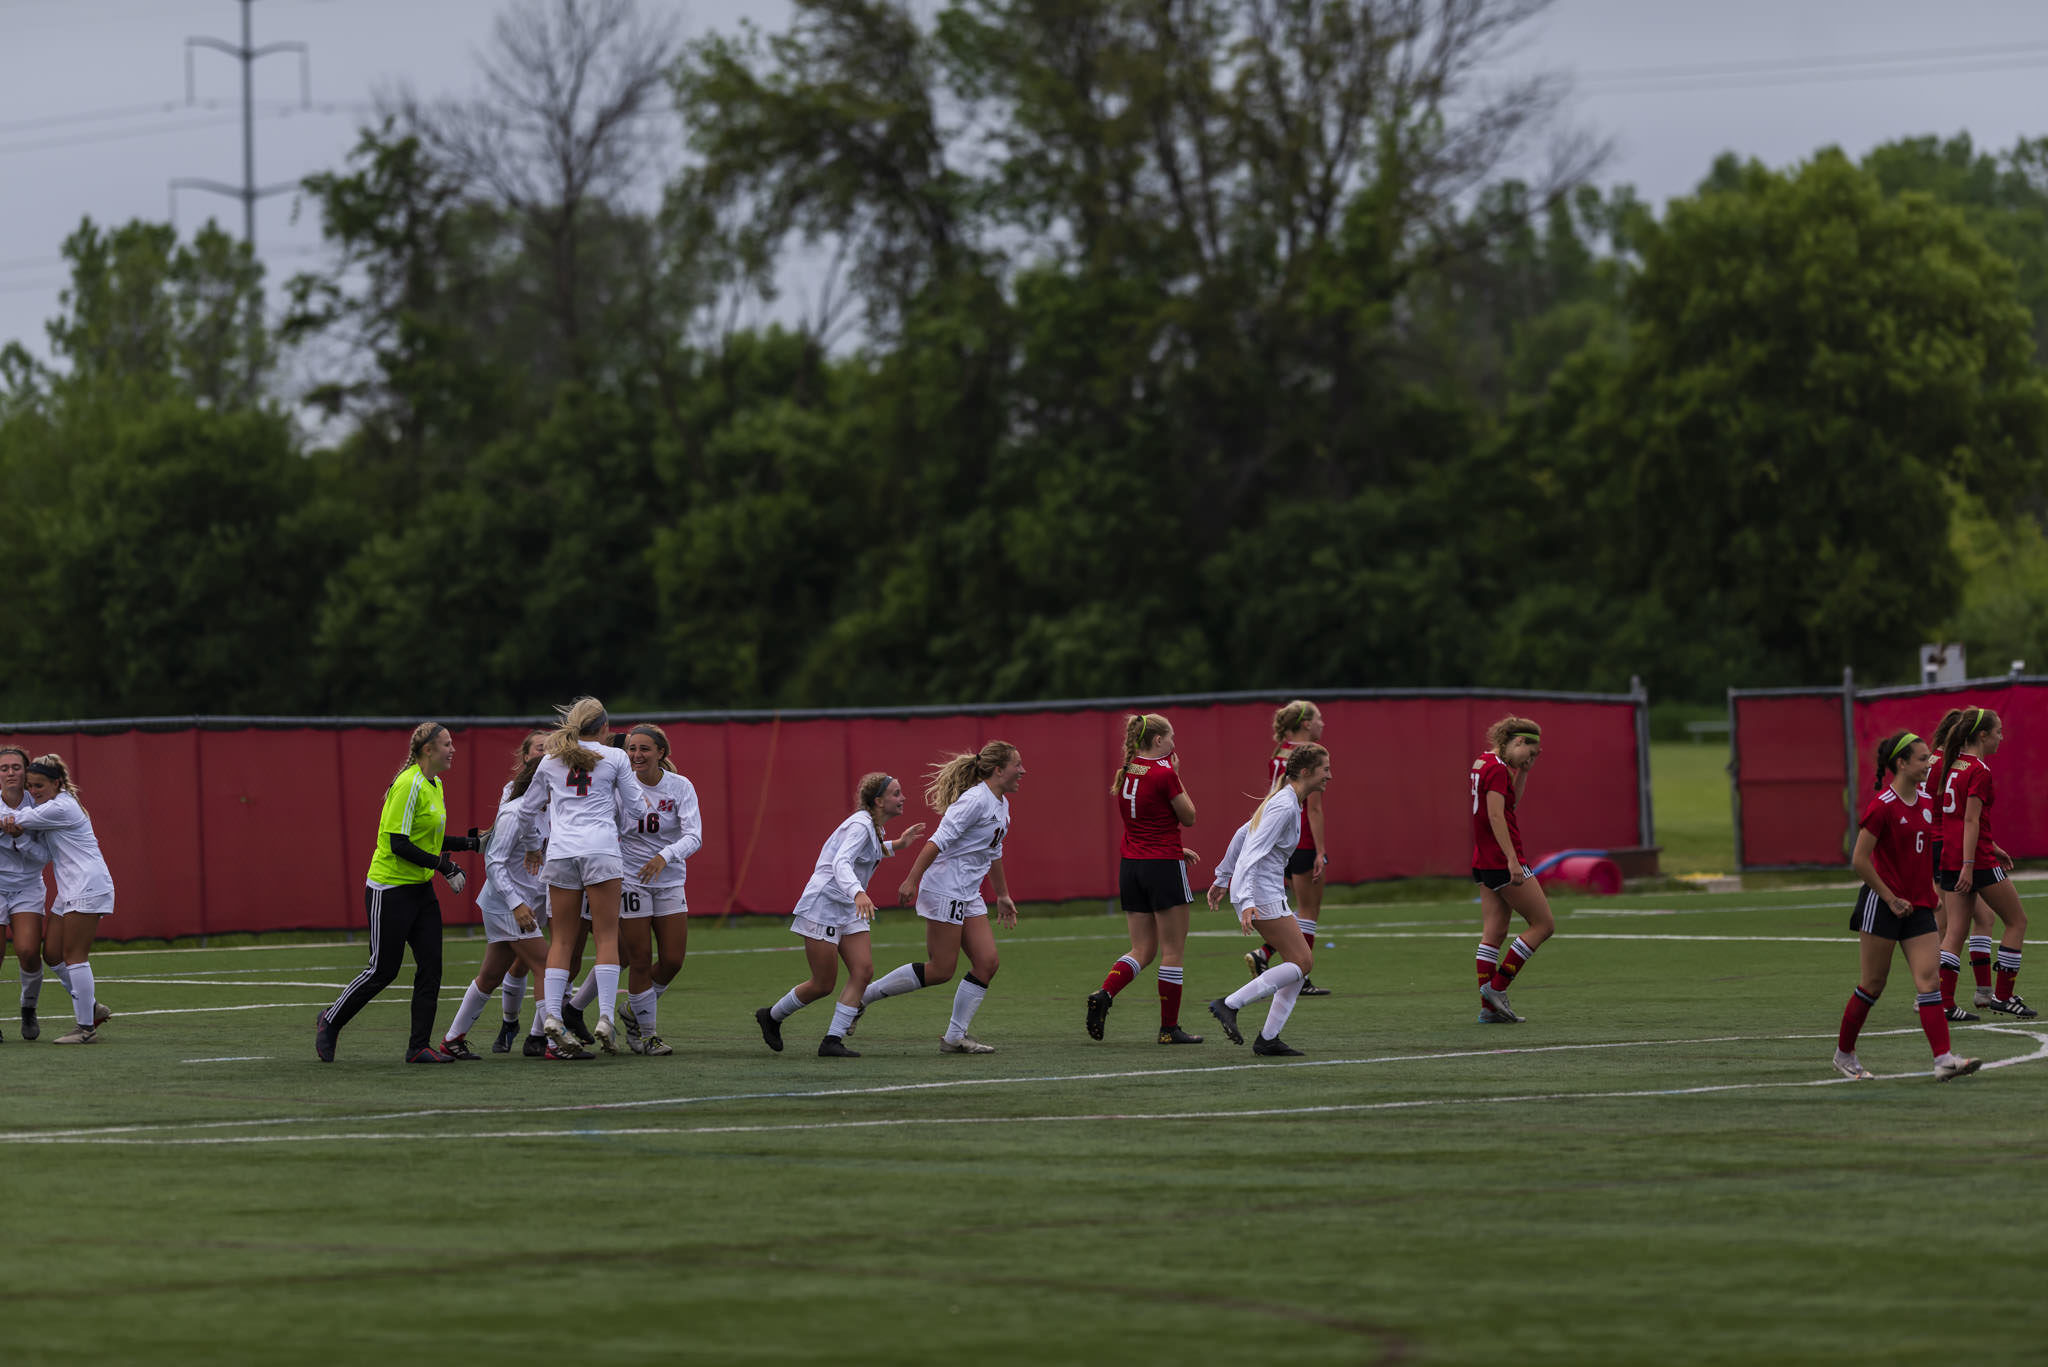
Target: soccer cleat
x,y
1255,961
1849,1067
630,1021
100,1014
568,1050
2012,1006
557,1033
1274,1048
459,1050
1950,1066
1227,1015
606,1036
427,1053
771,1028
858,1012
1309,988
1498,1000
508,1030
536,1046
1984,997
1099,1003
31,1028
79,1034
834,1047
1958,1015
966,1044
1489,1016
573,1018
323,1038
653,1046
1173,1034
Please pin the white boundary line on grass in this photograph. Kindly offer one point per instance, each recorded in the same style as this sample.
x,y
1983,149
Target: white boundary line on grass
x,y
133,1134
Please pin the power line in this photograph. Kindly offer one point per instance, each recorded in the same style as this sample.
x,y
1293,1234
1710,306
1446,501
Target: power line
x,y
162,107
1813,78
1768,64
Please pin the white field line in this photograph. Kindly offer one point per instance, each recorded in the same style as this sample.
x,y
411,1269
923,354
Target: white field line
x,y
949,1084
2039,1053
230,1058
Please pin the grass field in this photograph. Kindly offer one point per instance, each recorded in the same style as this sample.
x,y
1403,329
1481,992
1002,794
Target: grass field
x,y
1658,1167
1689,797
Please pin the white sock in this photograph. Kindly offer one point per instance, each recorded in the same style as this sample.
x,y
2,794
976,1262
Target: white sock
x,y
586,991
540,1018
31,989
63,972
842,1018
81,993
787,1007
554,986
606,976
645,1009
474,999
1282,1007
967,1000
1263,986
903,978
660,988
514,993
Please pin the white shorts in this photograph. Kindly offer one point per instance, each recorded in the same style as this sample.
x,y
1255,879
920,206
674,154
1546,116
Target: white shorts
x,y
827,930
638,902
1268,904
26,901
502,927
934,908
100,905
580,871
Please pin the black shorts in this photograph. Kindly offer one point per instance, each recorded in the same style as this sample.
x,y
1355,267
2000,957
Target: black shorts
x,y
1153,885
1873,917
1493,880
1935,845
1980,879
1303,860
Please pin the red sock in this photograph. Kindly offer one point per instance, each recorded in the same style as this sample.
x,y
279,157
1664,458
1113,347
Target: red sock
x,y
1510,964
1980,969
1935,1023
1948,984
1853,1016
2004,989
1487,962
1169,998
1120,975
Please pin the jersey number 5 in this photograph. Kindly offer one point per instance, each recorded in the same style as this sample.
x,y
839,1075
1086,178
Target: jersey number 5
x,y
1131,796
1948,794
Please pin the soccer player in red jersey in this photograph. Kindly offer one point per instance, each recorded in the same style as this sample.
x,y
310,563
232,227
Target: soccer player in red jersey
x,y
1154,884
1299,723
1971,861
1895,858
1505,883
1952,964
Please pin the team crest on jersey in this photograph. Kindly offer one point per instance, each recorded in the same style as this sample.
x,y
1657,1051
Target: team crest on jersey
x,y
1927,815
667,804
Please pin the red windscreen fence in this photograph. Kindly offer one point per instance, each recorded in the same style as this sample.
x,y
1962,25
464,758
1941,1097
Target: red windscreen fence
x,y
1796,799
225,825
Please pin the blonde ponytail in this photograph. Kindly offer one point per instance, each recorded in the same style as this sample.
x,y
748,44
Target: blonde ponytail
x,y
953,776
581,720
1140,729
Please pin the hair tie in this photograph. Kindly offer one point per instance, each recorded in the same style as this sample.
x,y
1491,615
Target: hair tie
x,y
1532,735
48,771
886,781
1903,744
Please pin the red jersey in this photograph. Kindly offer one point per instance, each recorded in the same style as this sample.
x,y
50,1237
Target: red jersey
x,y
1308,839
1969,778
1492,774
1935,773
1904,828
1145,802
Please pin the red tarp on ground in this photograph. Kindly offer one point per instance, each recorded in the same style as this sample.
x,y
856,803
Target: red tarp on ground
x,y
215,830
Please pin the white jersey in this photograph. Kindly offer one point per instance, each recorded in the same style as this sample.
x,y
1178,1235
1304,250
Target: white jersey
x,y
66,832
586,811
507,884
969,839
844,867
1259,875
1227,866
665,821
21,856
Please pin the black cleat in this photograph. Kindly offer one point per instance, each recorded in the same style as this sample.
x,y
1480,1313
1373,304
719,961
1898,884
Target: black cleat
x,y
834,1047
323,1038
459,1050
771,1028
1275,1048
1309,988
427,1053
508,1030
573,1018
536,1046
2011,1006
30,1026
571,1052
1227,1015
1099,1003
1173,1034
1960,1016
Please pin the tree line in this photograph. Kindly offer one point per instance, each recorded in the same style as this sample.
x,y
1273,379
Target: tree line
x,y
1031,350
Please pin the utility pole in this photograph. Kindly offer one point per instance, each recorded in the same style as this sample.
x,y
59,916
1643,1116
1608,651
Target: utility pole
x,y
248,192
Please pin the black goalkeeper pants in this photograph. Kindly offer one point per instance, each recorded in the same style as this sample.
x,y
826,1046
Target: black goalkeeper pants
x,y
400,916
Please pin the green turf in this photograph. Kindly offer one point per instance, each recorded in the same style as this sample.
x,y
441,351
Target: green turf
x,y
1689,797
1644,1172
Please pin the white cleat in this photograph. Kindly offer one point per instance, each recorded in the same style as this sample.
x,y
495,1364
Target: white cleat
x,y
1498,1000
1950,1066
966,1044
605,1036
1983,996
1848,1066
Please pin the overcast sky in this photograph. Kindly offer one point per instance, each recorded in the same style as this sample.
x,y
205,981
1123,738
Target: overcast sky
x,y
1672,82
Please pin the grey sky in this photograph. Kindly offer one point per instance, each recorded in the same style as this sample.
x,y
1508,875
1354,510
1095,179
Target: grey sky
x,y
1980,69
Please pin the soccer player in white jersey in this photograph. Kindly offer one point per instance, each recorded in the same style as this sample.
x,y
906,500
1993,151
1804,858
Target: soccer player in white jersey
x,y
834,912
21,887
971,793
585,789
667,829
1258,888
514,906
85,889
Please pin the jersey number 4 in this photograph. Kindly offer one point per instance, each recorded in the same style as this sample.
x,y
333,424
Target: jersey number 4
x,y
1475,792
579,779
1131,796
